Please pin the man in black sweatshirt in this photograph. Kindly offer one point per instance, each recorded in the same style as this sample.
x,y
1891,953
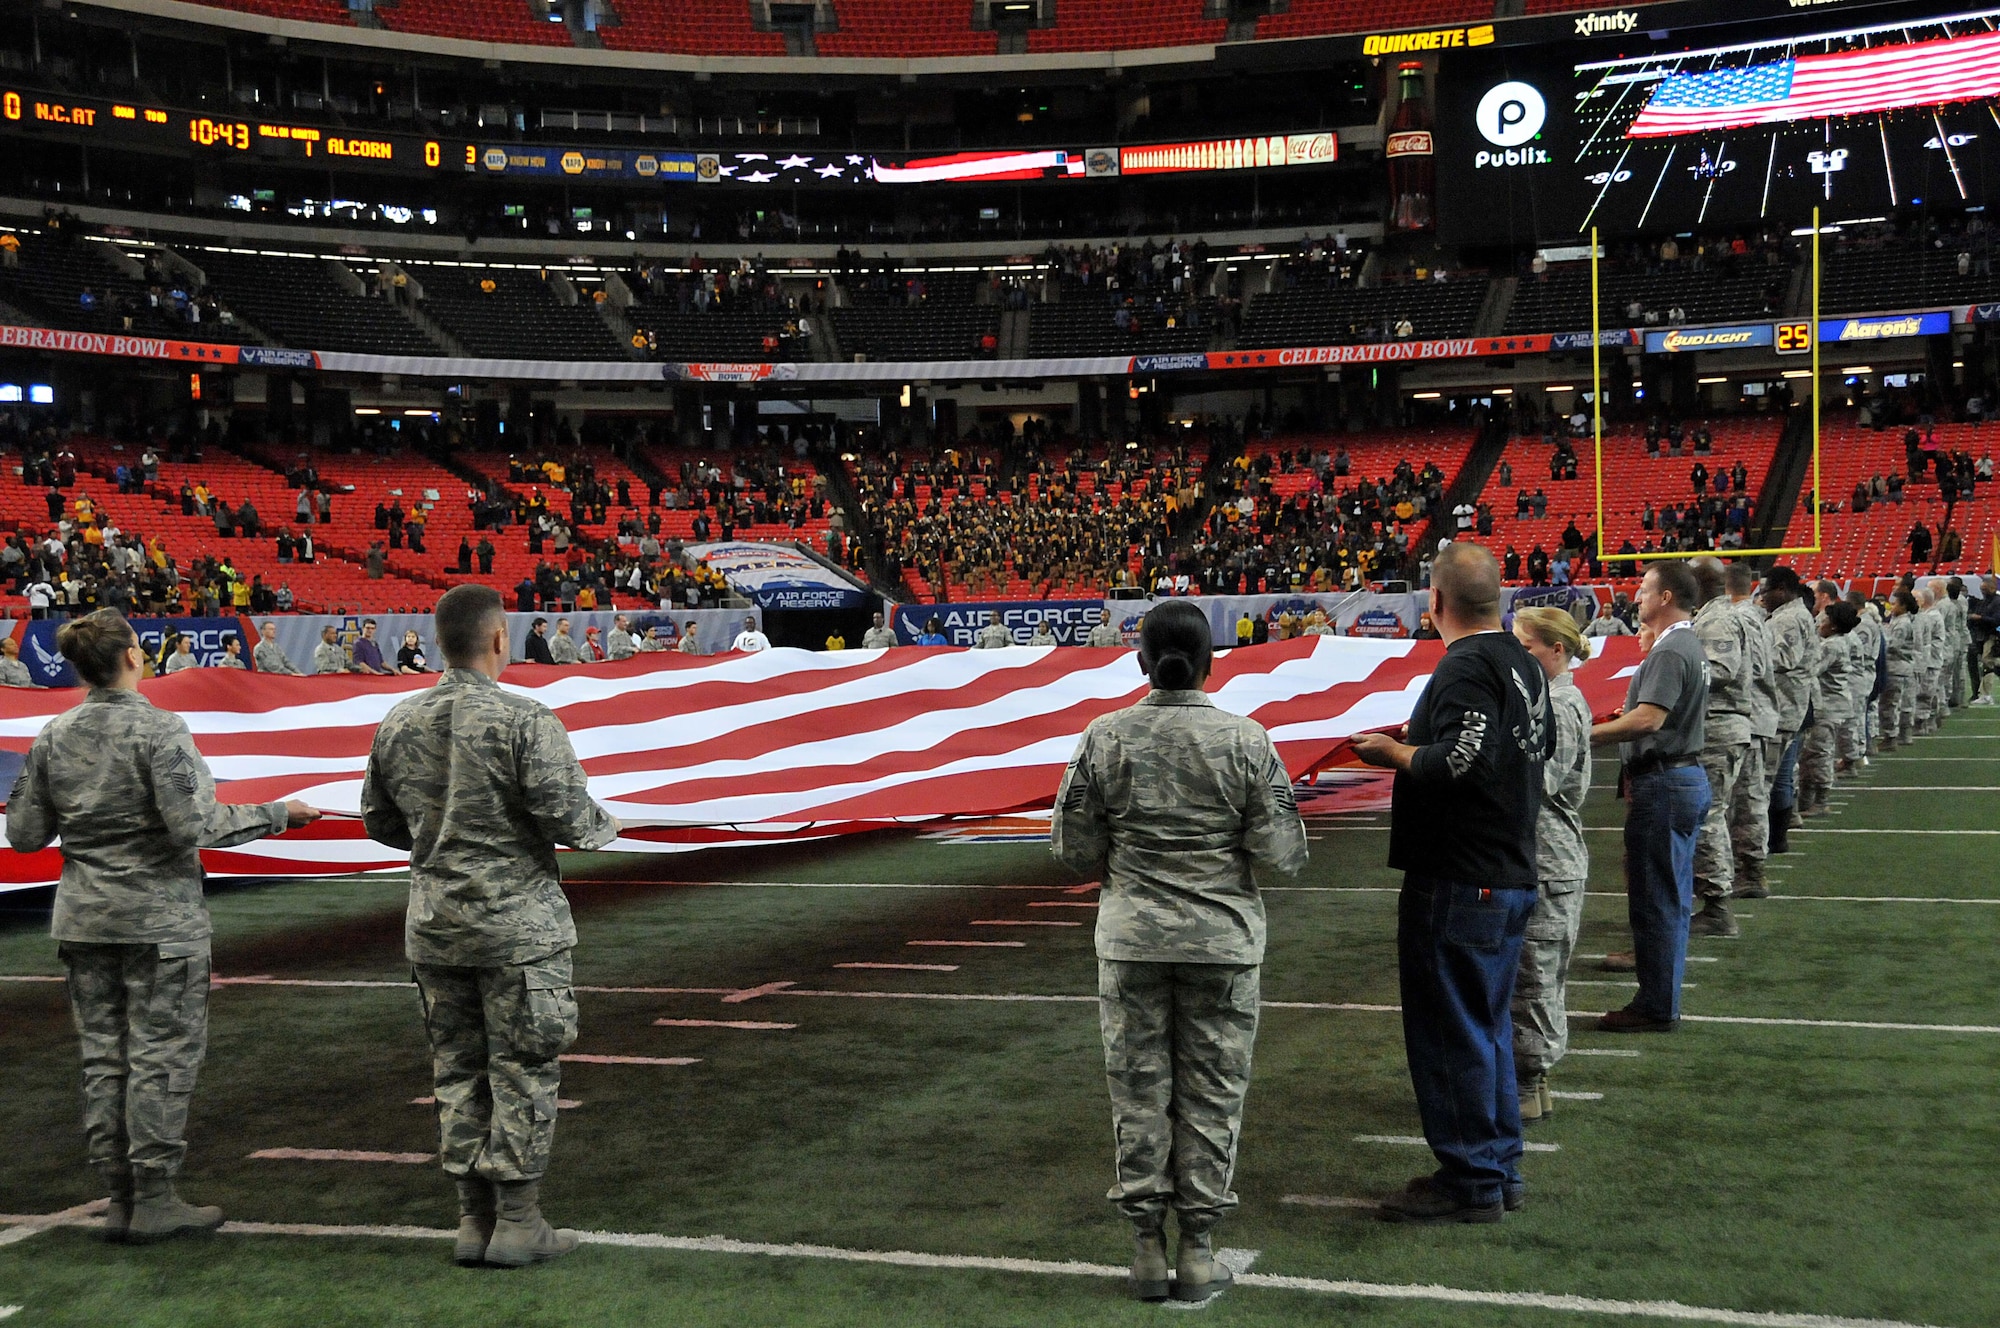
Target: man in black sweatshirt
x,y
1468,787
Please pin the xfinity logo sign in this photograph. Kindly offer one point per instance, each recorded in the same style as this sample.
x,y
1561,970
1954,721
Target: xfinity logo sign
x,y
1618,21
1510,116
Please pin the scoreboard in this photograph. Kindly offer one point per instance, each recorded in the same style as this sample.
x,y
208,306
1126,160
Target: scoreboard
x,y
153,128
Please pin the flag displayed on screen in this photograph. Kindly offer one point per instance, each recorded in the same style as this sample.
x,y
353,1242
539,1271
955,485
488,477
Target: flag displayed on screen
x,y
1808,87
693,752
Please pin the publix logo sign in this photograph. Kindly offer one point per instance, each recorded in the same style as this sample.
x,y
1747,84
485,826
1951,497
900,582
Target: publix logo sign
x,y
1510,117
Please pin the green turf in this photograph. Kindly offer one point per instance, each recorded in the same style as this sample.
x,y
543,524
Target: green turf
x,y
1810,1170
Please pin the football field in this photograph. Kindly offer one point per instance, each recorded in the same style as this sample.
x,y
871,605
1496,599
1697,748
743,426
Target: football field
x,y
859,1082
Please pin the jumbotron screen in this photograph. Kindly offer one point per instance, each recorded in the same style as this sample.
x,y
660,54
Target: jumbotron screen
x,y
1855,120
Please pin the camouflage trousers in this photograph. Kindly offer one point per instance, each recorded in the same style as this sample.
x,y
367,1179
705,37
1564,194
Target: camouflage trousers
x,y
1177,1045
1816,759
1851,736
1750,810
1927,699
1714,864
1896,694
141,1015
1940,696
495,1034
1541,1014
1957,678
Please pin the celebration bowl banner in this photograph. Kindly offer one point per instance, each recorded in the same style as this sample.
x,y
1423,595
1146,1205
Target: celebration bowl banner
x,y
779,576
781,744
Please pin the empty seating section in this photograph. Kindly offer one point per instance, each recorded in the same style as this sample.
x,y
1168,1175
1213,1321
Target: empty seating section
x,y
52,277
1863,279
1105,25
718,334
1873,542
1559,301
1308,18
896,28
1082,324
1308,316
707,27
510,21
298,301
940,328
881,29
519,318
1631,480
305,11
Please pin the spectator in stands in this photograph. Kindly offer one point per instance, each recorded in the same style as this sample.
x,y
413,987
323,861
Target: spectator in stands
x,y
464,556
329,656
1510,564
183,657
367,654
13,673
562,646
1539,504
1919,543
376,562
248,520
1538,565
269,657
284,597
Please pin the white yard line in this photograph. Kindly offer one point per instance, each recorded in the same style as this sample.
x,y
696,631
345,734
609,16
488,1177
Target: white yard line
x,y
1418,1141
1024,922
578,1059
972,945
1926,788
746,1024
1576,1097
562,1103
1817,830
1603,1051
27,1228
1672,1311
339,1155
1328,1201
915,968
1060,903
1692,959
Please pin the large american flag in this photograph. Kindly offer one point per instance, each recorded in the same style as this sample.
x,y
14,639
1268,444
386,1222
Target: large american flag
x,y
1810,87
692,752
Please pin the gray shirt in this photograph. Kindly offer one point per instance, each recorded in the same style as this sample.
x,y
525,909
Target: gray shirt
x,y
1105,637
1673,677
878,638
1174,801
179,663
620,645
121,783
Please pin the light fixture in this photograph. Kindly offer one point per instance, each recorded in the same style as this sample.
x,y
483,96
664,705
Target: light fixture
x,y
1501,392
426,414
1425,396
1705,381
1857,369
1558,387
1798,373
366,410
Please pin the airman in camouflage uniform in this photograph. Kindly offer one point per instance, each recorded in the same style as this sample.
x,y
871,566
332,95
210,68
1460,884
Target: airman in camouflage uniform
x,y
1855,744
1105,637
879,636
992,636
13,673
269,656
1562,864
1898,708
122,785
1725,748
1750,810
329,656
480,785
1174,801
1833,698
1930,657
1795,650
1954,682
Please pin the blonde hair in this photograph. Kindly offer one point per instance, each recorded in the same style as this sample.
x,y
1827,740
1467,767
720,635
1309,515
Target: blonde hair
x,y
1554,627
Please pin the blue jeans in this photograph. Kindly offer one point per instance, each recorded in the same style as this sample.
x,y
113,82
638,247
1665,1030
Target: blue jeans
x,y
1785,785
1661,826
1459,948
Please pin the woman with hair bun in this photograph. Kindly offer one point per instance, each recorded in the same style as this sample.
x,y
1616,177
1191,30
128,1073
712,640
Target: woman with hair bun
x,y
133,802
1562,863
1174,802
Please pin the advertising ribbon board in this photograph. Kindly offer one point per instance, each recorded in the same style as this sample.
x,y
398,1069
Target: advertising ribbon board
x,y
778,576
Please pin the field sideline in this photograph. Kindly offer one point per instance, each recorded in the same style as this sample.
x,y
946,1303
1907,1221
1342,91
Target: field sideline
x,y
839,1124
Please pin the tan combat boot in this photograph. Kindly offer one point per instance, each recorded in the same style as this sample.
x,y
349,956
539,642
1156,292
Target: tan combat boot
x,y
1530,1092
1149,1260
118,1212
159,1214
521,1235
1197,1275
476,1217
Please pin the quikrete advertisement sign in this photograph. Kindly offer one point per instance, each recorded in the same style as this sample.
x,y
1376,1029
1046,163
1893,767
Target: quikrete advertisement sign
x,y
1435,39
1708,338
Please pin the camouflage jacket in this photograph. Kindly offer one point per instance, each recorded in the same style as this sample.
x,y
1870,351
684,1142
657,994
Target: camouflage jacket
x,y
1722,640
1174,800
120,782
329,657
1763,680
1106,637
562,649
480,785
1795,647
1901,632
619,644
269,658
13,673
878,638
1560,854
992,637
